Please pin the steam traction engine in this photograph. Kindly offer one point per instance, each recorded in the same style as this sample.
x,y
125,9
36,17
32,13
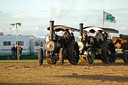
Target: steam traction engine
x,y
60,47
95,47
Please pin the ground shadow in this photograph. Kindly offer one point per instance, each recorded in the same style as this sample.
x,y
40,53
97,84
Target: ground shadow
x,y
97,77
103,64
85,64
24,84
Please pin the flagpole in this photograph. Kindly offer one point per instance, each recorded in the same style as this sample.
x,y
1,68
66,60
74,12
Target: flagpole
x,y
103,18
103,23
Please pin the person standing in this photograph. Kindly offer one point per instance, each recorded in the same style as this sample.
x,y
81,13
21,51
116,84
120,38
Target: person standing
x,y
100,37
19,52
72,37
13,50
105,35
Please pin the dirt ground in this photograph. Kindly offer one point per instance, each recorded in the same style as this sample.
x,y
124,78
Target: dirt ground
x,y
30,73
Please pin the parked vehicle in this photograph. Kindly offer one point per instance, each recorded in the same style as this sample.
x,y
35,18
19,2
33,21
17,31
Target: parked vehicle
x,y
60,47
95,46
30,44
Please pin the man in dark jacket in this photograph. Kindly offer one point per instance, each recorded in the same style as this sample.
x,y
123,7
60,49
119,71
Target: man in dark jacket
x,y
13,50
72,37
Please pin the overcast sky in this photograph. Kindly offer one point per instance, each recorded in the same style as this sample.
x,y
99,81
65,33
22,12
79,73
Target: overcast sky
x,y
35,15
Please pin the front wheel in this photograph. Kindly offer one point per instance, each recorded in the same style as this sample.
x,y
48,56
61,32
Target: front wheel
x,y
90,56
61,56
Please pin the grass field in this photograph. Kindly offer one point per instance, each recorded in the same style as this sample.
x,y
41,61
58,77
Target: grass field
x,y
28,60
36,60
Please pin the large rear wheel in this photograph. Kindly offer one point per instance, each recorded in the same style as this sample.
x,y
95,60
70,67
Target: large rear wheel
x,y
73,53
125,57
108,52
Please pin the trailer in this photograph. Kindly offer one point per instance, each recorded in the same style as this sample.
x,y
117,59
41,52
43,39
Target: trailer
x,y
30,44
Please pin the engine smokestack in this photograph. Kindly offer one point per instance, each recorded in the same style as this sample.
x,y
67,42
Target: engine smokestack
x,y
51,29
81,31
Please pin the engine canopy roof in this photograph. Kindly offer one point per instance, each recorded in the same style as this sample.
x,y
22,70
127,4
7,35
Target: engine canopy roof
x,y
63,28
109,30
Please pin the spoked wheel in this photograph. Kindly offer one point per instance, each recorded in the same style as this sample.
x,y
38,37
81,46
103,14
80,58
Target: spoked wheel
x,y
61,56
90,56
73,53
40,56
108,52
125,57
